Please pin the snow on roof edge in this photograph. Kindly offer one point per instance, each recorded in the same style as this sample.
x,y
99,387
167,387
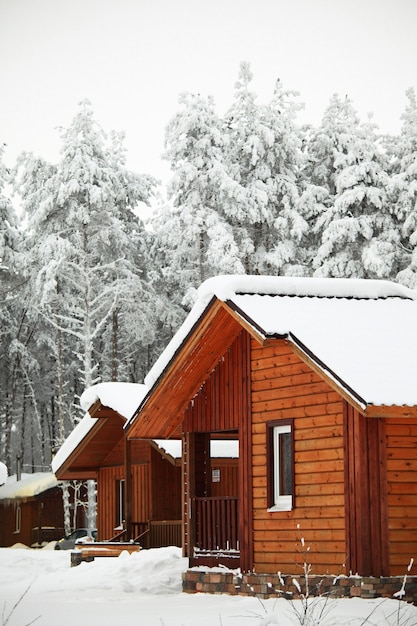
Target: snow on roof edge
x,y
121,397
226,286
28,486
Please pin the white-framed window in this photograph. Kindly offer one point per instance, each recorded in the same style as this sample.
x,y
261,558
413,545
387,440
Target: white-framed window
x,y
280,464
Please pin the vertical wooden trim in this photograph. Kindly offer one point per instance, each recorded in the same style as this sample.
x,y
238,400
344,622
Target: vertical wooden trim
x,y
366,512
245,461
183,497
269,465
362,480
189,493
128,487
383,495
350,524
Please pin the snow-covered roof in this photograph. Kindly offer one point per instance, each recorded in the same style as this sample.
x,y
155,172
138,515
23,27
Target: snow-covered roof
x,y
362,332
121,397
28,486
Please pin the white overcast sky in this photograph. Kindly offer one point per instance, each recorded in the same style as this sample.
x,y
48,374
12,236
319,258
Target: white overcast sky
x,y
132,58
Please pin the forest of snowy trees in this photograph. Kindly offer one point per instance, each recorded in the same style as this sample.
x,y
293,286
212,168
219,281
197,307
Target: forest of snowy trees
x,y
92,292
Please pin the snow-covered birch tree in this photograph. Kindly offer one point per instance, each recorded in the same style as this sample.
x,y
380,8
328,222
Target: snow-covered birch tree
x,y
85,237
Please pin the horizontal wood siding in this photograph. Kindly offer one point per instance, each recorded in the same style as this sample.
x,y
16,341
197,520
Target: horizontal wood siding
x,y
284,387
402,493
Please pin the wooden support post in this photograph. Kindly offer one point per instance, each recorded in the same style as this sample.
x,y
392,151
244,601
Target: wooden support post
x,y
128,489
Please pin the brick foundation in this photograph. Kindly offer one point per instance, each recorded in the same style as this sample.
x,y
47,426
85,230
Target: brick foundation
x,y
273,586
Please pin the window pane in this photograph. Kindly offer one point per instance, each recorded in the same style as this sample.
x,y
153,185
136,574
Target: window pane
x,y
285,470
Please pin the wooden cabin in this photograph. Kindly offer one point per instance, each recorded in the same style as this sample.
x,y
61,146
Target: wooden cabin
x,y
31,510
138,483
316,378
138,480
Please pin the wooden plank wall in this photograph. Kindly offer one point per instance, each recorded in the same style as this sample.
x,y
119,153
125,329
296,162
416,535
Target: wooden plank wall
x,y
284,387
402,493
229,477
106,501
106,497
141,505
166,488
366,494
220,402
28,520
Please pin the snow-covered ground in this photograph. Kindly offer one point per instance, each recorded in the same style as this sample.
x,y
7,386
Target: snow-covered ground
x,y
144,589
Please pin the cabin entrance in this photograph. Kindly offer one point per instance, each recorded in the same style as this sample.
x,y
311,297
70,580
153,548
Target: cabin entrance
x,y
211,479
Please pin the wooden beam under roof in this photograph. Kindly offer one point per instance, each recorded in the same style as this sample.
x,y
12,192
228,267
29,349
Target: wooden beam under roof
x,y
90,452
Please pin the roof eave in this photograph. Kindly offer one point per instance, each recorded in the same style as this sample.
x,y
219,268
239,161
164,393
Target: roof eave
x,y
64,472
394,410
143,424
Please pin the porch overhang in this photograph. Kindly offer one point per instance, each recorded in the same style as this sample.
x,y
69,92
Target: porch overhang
x,y
85,460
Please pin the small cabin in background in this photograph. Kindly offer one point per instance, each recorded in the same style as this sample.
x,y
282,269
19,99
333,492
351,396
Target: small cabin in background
x,y
31,510
316,379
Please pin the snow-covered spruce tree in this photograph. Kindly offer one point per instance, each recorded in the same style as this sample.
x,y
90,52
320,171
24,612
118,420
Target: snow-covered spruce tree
x,y
193,231
167,276
84,238
403,188
235,198
359,235
11,280
20,365
264,158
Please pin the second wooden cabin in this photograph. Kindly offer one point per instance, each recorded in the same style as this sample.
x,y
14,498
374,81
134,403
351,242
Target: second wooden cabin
x,y
139,485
